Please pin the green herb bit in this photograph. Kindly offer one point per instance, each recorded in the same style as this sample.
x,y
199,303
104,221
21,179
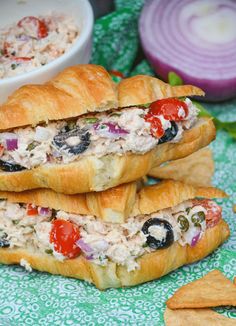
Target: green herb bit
x,y
71,125
91,120
49,251
188,210
15,222
13,66
183,223
174,79
115,114
31,146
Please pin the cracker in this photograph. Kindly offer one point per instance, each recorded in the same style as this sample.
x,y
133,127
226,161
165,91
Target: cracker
x,y
196,169
196,317
234,208
212,290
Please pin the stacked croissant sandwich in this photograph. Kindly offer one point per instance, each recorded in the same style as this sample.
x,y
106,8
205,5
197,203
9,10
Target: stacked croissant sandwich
x,y
72,154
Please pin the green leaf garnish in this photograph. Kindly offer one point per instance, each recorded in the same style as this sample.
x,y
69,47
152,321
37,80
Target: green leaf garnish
x,y
174,79
91,120
49,251
230,127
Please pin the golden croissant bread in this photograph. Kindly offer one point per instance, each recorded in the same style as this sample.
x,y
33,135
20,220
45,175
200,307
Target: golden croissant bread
x,y
162,228
80,132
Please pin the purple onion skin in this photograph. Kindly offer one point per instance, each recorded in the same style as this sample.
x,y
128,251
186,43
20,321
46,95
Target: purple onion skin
x,y
216,90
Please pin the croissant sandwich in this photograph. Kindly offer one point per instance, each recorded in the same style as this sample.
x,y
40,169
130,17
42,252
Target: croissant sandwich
x,y
81,132
146,234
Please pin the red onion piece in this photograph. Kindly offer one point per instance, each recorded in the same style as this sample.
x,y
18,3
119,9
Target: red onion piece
x,y
195,239
12,144
43,211
194,38
90,257
84,246
111,129
24,37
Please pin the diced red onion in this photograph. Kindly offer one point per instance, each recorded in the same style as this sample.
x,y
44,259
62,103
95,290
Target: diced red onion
x,y
195,39
43,211
90,257
195,239
24,37
12,144
10,140
84,246
111,130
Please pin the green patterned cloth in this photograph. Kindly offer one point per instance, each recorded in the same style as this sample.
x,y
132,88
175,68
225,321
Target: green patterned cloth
x,y
42,299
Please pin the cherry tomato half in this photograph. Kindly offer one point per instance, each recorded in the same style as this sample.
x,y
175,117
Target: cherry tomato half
x,y
171,109
31,210
214,211
64,235
40,27
156,126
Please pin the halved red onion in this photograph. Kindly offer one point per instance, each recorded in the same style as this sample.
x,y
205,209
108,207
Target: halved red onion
x,y
84,246
44,211
194,38
109,129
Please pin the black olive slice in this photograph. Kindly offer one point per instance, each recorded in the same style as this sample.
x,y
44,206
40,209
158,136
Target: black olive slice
x,y
157,243
10,167
4,243
170,133
60,140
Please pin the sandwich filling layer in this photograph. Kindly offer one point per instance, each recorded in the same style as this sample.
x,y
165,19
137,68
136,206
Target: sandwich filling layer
x,y
66,236
131,130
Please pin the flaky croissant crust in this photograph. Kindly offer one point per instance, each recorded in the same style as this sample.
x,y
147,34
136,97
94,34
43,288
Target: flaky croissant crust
x,y
117,204
152,265
82,89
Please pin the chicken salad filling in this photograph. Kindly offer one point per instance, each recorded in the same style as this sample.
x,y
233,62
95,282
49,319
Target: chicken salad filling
x,y
66,236
136,130
33,42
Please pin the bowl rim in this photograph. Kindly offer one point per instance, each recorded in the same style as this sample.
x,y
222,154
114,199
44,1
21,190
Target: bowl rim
x,y
86,32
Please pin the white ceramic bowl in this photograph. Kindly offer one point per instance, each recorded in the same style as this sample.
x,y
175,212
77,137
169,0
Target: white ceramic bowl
x,y
13,10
